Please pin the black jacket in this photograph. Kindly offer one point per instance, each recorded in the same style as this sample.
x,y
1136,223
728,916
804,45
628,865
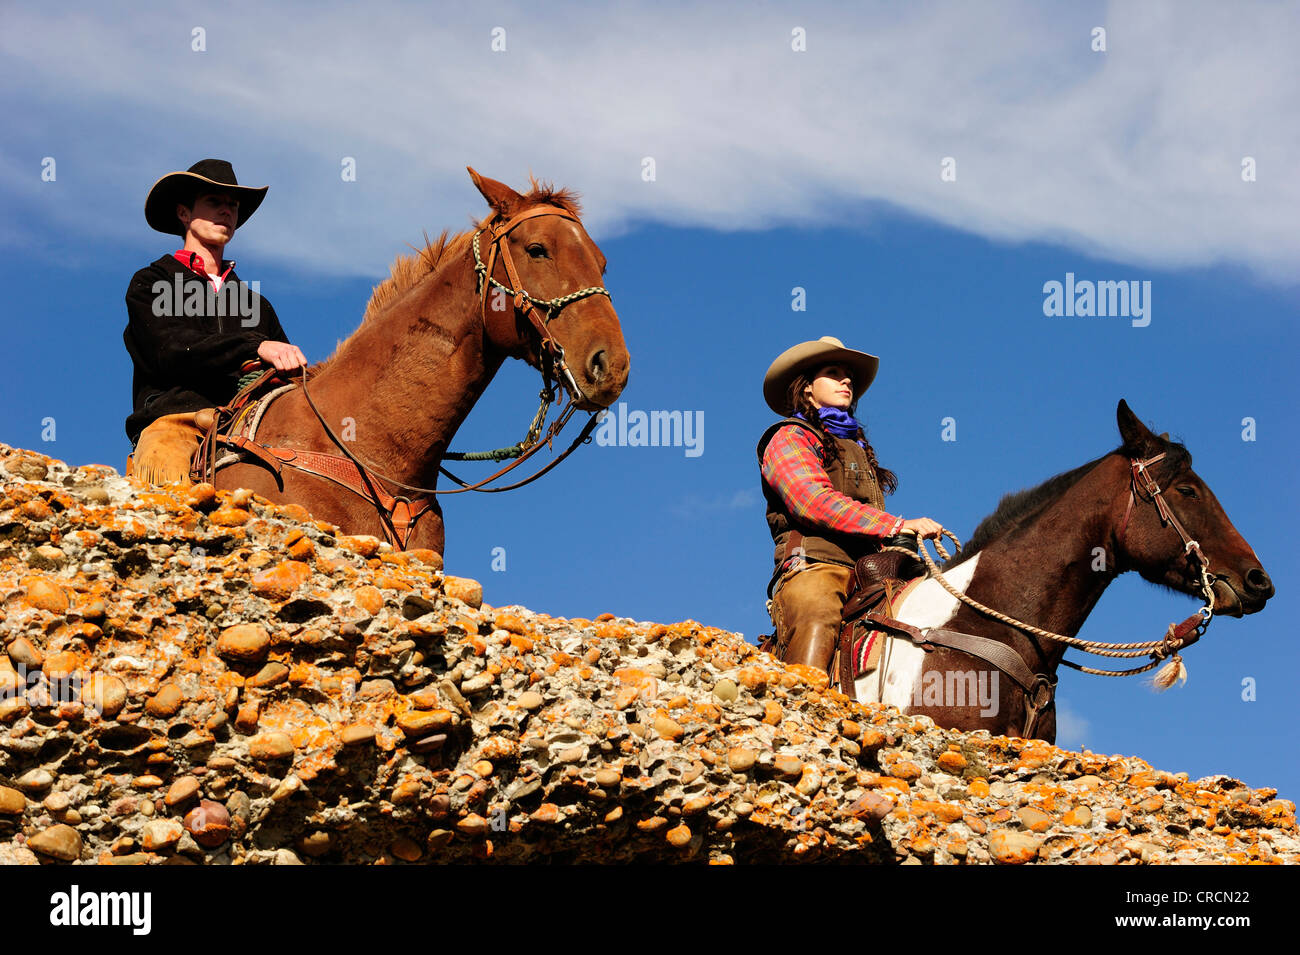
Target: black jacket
x,y
184,362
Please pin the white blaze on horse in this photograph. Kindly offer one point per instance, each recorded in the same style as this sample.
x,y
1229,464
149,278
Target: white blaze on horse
x,y
1036,560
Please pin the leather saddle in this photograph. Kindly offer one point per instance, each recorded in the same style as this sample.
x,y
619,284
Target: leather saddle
x,y
874,587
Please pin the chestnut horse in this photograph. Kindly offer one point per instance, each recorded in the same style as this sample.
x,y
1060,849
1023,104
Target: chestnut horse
x,y
1044,557
432,338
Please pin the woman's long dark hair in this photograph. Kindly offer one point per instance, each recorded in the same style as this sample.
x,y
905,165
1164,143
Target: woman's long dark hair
x,y
830,451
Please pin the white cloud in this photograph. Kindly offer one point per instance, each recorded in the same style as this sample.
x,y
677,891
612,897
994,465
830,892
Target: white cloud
x,y
703,505
1072,728
1132,154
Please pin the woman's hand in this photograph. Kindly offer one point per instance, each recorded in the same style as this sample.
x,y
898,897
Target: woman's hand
x,y
282,355
923,528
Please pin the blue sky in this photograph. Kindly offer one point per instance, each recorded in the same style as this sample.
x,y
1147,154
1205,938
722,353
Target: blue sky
x,y
775,169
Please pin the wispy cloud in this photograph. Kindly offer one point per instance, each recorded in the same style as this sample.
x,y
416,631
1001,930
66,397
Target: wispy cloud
x,y
1133,154
702,505
1072,728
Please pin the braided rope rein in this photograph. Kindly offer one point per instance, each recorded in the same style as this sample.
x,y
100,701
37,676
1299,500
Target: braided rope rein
x,y
1159,650
547,396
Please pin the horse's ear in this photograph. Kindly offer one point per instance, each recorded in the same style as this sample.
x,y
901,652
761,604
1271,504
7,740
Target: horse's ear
x,y
499,196
1138,439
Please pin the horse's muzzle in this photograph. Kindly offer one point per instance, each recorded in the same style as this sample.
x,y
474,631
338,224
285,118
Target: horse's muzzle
x,y
1255,591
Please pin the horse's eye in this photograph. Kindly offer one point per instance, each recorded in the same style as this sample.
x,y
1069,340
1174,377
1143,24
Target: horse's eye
x,y
1187,491
537,251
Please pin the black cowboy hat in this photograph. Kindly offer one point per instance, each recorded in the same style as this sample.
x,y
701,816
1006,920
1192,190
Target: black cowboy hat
x,y
160,206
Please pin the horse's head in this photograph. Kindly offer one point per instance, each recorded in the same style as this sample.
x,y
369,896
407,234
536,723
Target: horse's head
x,y
559,268
1151,540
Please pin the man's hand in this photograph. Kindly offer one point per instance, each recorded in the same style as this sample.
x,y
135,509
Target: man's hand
x,y
282,355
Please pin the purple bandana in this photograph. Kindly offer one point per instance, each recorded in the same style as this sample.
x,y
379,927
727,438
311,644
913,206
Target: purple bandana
x,y
837,421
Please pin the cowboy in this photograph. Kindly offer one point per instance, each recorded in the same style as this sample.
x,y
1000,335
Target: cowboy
x,y
825,493
194,329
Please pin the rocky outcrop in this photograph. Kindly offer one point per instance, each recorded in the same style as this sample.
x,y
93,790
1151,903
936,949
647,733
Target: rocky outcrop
x,y
201,677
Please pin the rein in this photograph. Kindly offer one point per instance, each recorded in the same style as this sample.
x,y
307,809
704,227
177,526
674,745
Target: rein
x,y
1178,636
1039,688
549,358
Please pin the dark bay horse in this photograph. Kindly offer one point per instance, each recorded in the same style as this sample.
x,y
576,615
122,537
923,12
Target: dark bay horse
x,y
1044,557
432,338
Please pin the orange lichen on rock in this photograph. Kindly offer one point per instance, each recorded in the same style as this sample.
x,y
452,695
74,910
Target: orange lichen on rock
x,y
384,714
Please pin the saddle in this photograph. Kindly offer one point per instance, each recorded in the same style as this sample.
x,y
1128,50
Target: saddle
x,y
234,428
877,585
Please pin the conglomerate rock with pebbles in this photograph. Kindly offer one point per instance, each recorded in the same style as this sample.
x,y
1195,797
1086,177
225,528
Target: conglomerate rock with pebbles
x,y
193,676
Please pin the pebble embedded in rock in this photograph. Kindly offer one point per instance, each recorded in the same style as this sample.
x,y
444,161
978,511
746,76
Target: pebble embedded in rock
x,y
1035,820
181,790
530,700
726,690
740,759
406,849
271,746
45,595
58,842
668,728
317,844
608,777
417,723
201,497
226,516
272,674
356,734
787,765
160,834
166,702
12,802
1013,848
679,835
22,653
246,642
463,588
35,780
1078,816
208,823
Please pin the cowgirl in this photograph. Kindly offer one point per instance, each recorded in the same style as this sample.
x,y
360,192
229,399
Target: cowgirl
x,y
825,493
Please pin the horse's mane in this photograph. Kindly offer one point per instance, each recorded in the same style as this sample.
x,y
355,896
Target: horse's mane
x,y
1019,508
407,271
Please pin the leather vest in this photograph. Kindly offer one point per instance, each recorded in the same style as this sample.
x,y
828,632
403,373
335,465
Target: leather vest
x,y
851,474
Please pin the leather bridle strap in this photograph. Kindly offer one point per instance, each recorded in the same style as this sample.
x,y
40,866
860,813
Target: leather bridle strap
x,y
500,325
1139,474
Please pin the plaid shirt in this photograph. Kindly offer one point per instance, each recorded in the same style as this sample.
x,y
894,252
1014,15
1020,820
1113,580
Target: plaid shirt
x,y
792,466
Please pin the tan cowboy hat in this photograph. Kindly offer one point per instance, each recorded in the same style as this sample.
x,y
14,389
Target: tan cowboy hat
x,y
160,206
807,356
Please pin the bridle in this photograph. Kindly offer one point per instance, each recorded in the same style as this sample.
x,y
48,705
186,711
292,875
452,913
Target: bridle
x,y
1141,481
501,325
399,513
1040,688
